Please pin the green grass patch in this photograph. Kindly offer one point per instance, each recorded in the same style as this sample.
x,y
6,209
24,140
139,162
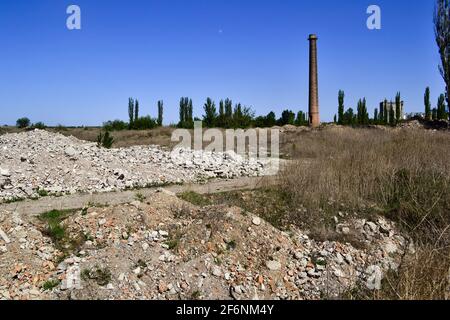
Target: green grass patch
x,y
56,230
50,284
195,198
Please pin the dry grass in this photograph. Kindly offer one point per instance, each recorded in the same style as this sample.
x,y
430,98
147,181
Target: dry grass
x,y
401,173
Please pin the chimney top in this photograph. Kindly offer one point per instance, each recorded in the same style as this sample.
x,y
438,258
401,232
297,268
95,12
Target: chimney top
x,y
312,37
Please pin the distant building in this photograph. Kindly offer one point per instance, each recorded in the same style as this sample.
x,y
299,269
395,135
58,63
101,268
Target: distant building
x,y
386,107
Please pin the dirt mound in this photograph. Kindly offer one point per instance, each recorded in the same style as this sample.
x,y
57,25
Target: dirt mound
x,y
164,248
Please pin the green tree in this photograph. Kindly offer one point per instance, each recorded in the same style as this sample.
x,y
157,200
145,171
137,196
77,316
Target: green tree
x,y
271,120
136,110
427,104
287,117
434,114
398,107
160,112
362,114
242,116
349,117
301,119
186,118
375,116
441,108
221,117
341,96
228,113
23,122
391,114
210,116
130,112
442,33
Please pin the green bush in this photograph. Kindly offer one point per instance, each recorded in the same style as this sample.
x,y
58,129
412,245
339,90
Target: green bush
x,y
23,122
116,125
144,123
105,140
39,125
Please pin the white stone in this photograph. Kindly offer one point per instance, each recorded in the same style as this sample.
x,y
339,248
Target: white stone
x,y
4,172
70,152
4,236
256,221
273,265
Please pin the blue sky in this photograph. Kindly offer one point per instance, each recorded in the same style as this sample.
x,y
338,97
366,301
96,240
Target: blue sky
x,y
252,51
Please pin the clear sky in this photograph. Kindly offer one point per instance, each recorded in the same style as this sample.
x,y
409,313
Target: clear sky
x,y
252,51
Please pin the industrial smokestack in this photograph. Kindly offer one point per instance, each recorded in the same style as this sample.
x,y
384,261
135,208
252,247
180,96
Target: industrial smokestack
x,y
314,118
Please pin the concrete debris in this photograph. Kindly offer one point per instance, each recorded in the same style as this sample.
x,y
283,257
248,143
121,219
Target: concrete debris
x,y
37,163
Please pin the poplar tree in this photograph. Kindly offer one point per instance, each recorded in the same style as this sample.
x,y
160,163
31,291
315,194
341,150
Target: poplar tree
x,y
341,96
210,113
160,112
398,107
130,112
136,110
442,35
441,108
427,104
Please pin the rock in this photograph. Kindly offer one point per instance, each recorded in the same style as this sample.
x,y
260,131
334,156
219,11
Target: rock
x,y
256,221
162,287
163,233
372,226
216,271
4,172
339,273
298,255
137,271
390,247
374,277
4,236
136,204
273,265
70,152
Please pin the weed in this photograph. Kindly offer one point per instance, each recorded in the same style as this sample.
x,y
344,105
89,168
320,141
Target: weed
x,y
102,276
50,284
139,197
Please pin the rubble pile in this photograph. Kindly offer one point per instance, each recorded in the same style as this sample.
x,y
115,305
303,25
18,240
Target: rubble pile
x,y
164,248
38,163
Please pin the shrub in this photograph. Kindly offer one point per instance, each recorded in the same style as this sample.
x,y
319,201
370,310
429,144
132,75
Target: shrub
x,y
116,125
23,122
105,140
39,125
144,123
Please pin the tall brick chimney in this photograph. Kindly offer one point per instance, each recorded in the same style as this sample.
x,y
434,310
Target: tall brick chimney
x,y
314,118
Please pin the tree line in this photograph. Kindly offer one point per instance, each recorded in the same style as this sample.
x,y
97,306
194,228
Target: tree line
x,y
229,115
135,121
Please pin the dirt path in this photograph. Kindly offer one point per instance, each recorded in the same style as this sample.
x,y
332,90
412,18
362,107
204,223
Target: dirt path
x,y
77,201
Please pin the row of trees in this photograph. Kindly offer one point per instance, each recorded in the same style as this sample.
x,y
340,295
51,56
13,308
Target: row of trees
x,y
437,113
237,116
136,122
389,113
